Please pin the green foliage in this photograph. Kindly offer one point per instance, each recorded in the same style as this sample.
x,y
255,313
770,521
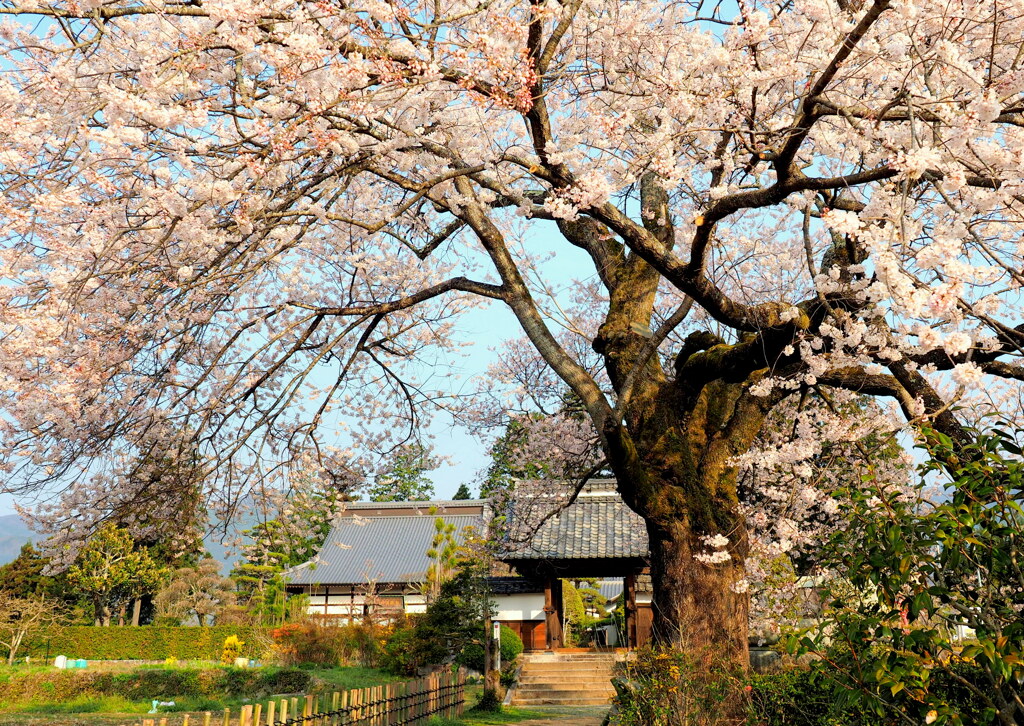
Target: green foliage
x,y
453,620
110,569
463,492
23,577
689,687
929,569
511,646
443,555
148,642
405,478
808,697
143,684
311,642
505,467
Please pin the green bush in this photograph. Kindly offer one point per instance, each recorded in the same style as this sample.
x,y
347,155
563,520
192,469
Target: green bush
x,y
149,642
401,652
143,684
472,655
313,643
807,698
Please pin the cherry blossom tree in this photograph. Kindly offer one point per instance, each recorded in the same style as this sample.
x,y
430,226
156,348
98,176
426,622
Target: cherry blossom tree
x,y
226,222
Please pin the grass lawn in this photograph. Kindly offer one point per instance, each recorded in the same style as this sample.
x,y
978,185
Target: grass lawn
x,y
106,708
116,710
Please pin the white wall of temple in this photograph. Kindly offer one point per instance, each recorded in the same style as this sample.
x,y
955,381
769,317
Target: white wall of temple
x,y
526,606
342,604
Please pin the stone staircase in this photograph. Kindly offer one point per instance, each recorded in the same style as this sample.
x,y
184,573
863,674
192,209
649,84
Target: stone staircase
x,y
565,679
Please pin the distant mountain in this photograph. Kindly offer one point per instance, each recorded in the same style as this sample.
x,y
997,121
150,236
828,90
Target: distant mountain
x,y
13,534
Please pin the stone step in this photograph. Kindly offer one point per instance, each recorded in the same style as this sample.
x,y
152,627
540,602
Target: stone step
x,y
564,688
527,677
574,681
545,666
564,692
578,701
547,658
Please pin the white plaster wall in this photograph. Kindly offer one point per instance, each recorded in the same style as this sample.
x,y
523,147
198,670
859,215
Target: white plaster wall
x,y
529,606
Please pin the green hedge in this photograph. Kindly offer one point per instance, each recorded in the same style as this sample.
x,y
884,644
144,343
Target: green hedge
x,y
143,684
804,698
146,642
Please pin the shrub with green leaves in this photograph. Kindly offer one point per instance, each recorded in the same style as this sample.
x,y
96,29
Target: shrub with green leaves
x,y
150,642
929,620
662,686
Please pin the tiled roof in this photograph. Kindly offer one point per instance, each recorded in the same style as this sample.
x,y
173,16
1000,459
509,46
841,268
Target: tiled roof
x,y
385,549
441,505
598,525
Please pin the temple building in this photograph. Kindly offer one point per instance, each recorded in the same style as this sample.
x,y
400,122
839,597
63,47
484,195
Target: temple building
x,y
374,562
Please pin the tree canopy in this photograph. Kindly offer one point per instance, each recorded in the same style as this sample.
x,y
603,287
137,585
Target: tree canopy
x,y
226,223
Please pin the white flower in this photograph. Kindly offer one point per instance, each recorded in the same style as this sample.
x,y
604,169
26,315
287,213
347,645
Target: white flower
x,y
713,558
956,343
741,586
916,162
717,541
967,374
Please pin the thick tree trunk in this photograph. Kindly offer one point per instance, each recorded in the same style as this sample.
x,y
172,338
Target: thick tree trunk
x,y
696,606
136,611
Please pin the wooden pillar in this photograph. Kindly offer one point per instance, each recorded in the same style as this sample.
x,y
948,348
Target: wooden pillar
x,y
629,585
553,611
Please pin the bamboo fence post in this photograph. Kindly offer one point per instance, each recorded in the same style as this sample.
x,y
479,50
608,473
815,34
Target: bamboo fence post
x,y
184,721
257,714
227,717
334,707
147,722
346,706
163,721
374,707
295,707
270,712
206,718
284,710
245,718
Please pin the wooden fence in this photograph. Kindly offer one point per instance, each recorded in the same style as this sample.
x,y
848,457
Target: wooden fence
x,y
396,704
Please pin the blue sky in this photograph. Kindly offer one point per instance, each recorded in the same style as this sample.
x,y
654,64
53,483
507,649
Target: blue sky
x,y
487,327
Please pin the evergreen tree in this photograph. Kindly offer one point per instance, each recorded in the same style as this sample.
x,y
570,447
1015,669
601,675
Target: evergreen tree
x,y
110,571
405,477
462,492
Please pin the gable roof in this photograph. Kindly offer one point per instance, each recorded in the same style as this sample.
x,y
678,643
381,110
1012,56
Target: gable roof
x,y
388,549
